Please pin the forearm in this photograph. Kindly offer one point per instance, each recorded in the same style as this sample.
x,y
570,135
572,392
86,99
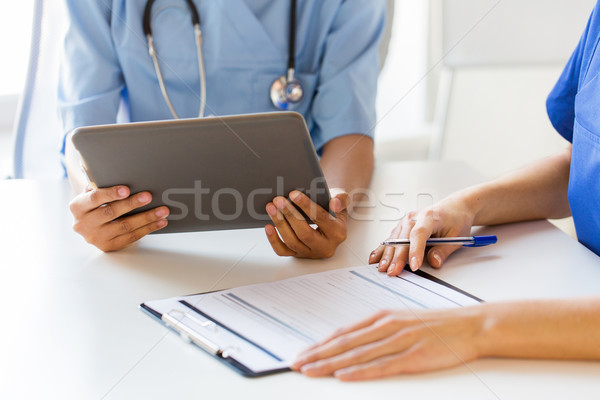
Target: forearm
x,y
537,191
556,329
347,162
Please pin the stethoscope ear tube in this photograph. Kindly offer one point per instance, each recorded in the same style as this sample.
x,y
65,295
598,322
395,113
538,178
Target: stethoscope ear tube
x,y
292,44
286,91
147,26
147,17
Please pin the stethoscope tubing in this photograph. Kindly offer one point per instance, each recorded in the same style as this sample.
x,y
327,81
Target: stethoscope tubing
x,y
280,98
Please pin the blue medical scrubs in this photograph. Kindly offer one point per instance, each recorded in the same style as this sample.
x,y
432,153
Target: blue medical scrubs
x,y
574,109
245,49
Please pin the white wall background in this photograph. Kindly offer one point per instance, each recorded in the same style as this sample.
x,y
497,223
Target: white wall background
x,y
509,56
403,84
15,34
497,119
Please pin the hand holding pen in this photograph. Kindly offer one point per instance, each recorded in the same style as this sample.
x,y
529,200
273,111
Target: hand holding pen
x,y
470,241
440,230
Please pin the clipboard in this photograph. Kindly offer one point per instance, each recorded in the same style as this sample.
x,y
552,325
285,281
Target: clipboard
x,y
234,346
198,340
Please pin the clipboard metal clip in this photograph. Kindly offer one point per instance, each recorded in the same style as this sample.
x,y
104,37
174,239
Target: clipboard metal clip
x,y
188,334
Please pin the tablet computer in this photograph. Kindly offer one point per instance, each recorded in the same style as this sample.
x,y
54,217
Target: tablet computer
x,y
213,173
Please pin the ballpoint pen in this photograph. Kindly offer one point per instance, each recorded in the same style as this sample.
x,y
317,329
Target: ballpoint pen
x,y
472,241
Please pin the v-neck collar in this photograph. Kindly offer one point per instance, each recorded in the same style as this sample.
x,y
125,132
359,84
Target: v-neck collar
x,y
250,30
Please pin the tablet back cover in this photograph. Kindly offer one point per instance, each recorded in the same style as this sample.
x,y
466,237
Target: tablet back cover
x,y
213,173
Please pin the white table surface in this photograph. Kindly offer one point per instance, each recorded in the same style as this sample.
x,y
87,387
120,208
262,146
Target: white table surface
x,y
71,327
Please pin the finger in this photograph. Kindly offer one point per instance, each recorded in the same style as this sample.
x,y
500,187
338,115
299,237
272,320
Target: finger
x,y
301,228
113,210
377,330
92,199
122,226
300,359
372,348
400,258
285,231
379,368
438,255
353,357
316,213
388,255
376,254
331,228
388,251
339,205
278,246
415,358
129,238
418,242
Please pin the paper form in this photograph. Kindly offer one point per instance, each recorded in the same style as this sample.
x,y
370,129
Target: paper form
x,y
284,317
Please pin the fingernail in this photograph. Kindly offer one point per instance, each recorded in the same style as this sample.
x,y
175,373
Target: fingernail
x,y
391,269
308,368
279,203
414,263
372,255
162,223
339,373
271,210
161,212
437,258
144,198
295,195
383,263
337,205
122,192
269,229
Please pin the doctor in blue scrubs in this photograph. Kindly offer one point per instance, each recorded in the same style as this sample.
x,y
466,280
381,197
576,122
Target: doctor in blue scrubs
x,y
400,342
245,47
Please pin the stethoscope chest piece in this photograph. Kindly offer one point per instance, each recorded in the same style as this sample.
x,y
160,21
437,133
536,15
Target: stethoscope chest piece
x,y
287,92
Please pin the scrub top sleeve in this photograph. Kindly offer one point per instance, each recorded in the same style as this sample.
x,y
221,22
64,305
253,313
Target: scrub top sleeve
x,y
347,89
90,79
561,101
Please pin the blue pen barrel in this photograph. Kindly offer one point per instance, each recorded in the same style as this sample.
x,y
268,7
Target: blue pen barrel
x,y
480,241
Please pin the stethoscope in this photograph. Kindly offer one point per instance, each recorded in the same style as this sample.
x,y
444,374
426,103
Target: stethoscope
x,y
286,92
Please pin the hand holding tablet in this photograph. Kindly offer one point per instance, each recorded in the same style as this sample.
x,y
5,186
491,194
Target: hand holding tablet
x,y
212,173
98,217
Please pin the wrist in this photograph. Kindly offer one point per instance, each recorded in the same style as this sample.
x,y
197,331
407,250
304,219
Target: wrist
x,y
471,201
488,326
498,337
462,206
